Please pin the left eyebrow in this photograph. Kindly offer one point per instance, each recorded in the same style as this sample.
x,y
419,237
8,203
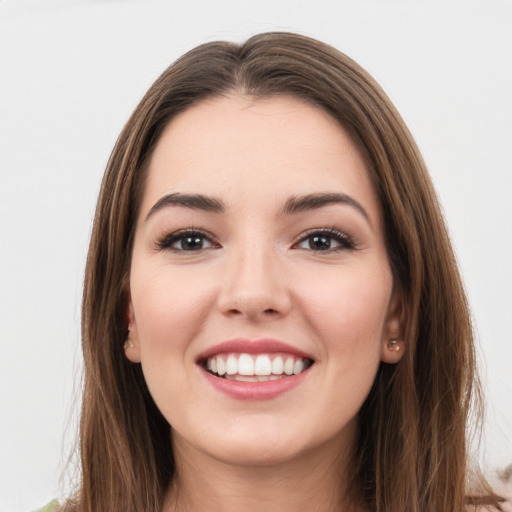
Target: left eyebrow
x,y
298,204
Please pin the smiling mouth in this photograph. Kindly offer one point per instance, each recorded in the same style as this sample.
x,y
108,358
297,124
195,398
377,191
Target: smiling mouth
x,y
244,367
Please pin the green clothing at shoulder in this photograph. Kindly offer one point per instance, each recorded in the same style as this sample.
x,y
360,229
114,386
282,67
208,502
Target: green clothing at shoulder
x,y
51,507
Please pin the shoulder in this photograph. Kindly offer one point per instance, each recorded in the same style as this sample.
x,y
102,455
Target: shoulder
x,y
504,506
499,492
503,488
53,506
50,507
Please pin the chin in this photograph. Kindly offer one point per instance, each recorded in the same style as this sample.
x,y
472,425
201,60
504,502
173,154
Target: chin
x,y
263,453
268,444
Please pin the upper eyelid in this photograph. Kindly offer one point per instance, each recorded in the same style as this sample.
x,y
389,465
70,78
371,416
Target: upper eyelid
x,y
185,231
334,233
324,231
327,231
176,235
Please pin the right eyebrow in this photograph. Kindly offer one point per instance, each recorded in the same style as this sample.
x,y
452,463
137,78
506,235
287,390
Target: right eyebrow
x,y
193,201
297,204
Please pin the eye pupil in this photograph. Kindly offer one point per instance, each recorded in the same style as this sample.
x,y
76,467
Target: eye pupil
x,y
189,243
319,243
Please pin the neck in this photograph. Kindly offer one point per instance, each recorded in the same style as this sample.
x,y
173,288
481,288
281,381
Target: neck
x,y
316,482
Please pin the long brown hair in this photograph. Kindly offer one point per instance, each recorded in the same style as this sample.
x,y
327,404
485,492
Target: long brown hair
x,y
411,453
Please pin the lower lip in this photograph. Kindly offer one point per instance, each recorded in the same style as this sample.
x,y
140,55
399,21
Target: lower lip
x,y
255,390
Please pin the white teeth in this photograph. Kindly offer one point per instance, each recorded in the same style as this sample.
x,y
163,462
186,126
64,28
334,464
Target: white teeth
x,y
246,378
232,365
263,366
242,378
288,366
277,365
221,368
253,378
245,365
255,368
298,366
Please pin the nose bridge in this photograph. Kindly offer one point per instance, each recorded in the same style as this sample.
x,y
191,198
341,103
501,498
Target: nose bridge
x,y
255,284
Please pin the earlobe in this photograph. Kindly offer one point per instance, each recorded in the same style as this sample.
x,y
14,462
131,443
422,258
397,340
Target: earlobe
x,y
131,345
393,344
392,351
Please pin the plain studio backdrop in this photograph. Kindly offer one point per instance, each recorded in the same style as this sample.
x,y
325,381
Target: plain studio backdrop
x,y
71,73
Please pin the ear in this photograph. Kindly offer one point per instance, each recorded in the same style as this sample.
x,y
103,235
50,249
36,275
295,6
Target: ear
x,y
131,344
393,343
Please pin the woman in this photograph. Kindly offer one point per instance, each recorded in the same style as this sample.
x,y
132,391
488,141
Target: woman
x,y
273,317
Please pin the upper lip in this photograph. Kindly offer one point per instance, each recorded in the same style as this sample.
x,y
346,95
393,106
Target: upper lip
x,y
247,346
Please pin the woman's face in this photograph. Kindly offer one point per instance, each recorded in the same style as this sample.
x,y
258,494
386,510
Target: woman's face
x,y
261,294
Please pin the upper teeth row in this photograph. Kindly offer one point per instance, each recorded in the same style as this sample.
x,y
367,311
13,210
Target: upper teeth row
x,y
261,364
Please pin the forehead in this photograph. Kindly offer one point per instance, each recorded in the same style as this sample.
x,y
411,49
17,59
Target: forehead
x,y
251,150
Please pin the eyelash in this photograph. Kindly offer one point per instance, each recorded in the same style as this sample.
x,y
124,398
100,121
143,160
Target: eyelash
x,y
345,241
167,241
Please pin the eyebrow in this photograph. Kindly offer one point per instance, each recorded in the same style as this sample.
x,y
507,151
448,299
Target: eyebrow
x,y
193,201
298,204
295,204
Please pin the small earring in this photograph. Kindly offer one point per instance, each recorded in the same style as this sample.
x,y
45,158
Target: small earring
x,y
128,343
393,345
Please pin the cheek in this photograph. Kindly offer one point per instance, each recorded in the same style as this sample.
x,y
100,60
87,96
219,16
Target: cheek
x,y
170,305
349,308
170,308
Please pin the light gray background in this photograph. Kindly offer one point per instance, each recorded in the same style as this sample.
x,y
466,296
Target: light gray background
x,y
71,73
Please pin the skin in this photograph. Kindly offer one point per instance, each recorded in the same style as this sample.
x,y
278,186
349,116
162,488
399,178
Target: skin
x,y
257,276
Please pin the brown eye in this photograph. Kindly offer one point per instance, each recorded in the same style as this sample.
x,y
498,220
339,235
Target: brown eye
x,y
186,240
319,243
325,240
189,243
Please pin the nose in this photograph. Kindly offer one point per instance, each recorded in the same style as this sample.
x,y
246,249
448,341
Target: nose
x,y
255,285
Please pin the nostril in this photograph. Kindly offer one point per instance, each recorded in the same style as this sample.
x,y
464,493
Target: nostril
x,y
270,311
